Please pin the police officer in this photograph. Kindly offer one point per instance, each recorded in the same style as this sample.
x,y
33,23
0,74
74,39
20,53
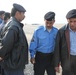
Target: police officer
x,y
65,48
42,46
1,20
5,20
14,48
1,16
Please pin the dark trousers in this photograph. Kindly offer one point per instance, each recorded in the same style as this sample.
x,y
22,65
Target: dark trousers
x,y
13,72
1,70
73,64
70,66
44,62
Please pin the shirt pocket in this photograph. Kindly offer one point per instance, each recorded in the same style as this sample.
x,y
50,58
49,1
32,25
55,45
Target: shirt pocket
x,y
42,40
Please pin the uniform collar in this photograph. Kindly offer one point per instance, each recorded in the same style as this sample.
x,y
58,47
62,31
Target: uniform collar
x,y
45,29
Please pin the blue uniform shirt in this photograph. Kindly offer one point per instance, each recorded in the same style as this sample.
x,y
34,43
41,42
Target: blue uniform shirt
x,y
72,42
1,20
43,40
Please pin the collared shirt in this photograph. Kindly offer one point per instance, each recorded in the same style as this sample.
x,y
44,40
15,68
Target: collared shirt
x,y
1,20
72,42
43,40
2,25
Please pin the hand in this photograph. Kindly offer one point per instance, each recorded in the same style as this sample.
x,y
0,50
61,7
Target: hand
x,y
57,69
32,60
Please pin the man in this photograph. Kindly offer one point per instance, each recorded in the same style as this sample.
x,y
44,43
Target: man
x,y
42,46
1,16
6,17
5,20
14,47
65,48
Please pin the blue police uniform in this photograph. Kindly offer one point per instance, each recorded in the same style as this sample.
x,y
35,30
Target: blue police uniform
x,y
1,13
43,41
1,20
42,47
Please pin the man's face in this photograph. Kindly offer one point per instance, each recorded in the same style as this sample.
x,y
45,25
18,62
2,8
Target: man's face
x,y
49,24
2,16
72,23
20,16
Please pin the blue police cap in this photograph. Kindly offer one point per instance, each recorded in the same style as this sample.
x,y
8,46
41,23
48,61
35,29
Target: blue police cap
x,y
19,7
49,16
2,12
71,14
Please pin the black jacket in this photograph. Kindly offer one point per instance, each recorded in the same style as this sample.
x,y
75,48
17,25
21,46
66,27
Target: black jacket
x,y
14,50
62,47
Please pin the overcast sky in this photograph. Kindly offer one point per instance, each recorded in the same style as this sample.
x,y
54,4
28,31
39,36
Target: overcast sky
x,y
36,9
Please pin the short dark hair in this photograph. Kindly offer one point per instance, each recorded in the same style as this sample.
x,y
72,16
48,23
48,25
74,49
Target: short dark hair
x,y
2,12
6,15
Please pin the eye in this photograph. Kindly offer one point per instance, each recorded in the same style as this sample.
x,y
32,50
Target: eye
x,y
51,23
70,21
74,21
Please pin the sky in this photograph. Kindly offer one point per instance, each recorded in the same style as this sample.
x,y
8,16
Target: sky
x,y
36,9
